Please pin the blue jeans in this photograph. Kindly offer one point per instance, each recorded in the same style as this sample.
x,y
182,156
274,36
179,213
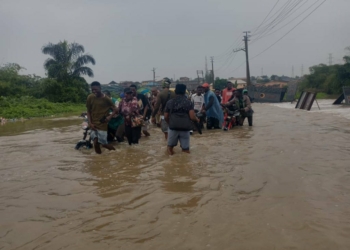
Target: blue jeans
x,y
183,136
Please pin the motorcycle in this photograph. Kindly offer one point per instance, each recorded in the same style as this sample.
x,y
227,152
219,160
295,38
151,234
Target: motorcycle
x,y
231,117
85,143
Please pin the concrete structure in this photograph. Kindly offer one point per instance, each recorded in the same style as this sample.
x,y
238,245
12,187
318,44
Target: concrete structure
x,y
272,84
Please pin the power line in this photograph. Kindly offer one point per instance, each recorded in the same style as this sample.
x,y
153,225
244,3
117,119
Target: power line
x,y
279,19
266,16
287,23
279,13
290,30
229,50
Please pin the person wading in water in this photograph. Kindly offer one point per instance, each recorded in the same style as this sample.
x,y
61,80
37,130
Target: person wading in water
x,y
212,108
98,106
178,114
129,108
162,98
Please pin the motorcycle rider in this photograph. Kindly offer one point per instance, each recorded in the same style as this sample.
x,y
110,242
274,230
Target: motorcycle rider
x,y
245,106
227,93
98,106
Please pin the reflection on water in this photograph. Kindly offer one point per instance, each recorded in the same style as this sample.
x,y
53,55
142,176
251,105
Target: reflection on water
x,y
282,184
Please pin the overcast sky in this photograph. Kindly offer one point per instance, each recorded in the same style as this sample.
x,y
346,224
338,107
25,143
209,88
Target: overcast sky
x,y
130,37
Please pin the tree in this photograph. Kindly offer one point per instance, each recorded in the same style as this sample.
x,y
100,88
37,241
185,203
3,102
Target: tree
x,y
220,83
274,77
68,60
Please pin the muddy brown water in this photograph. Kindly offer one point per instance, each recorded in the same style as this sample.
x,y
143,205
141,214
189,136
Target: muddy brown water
x,y
283,184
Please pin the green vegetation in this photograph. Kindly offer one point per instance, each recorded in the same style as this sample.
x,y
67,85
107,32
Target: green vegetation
x,y
27,106
328,79
64,90
221,83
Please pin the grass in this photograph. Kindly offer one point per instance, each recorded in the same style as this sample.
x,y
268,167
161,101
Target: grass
x,y
27,107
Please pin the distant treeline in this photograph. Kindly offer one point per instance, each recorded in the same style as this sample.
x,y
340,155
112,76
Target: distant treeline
x,y
12,84
329,79
64,69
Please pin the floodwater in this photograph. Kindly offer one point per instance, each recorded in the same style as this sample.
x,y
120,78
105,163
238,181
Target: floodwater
x,y
283,184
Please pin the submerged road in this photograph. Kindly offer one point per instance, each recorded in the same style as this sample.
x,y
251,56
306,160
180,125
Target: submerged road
x,y
282,184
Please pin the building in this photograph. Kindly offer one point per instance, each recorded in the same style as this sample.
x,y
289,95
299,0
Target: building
x,y
285,79
184,79
143,83
191,84
275,84
152,85
241,84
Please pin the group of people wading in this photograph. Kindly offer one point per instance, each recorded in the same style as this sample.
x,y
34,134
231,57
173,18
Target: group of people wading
x,y
175,112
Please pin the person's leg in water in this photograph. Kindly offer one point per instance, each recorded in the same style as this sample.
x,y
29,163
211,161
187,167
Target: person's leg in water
x,y
242,120
209,123
216,123
128,133
135,135
120,132
145,129
164,126
97,146
100,137
172,141
184,138
250,120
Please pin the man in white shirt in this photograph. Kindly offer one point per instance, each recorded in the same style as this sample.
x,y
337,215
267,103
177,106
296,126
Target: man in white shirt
x,y
198,100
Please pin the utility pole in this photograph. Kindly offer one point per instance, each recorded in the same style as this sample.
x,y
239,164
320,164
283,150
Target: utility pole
x,y
246,37
154,74
292,71
206,65
330,59
212,68
246,56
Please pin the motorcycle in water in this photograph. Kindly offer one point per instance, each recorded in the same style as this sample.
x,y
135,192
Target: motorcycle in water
x,y
231,117
85,143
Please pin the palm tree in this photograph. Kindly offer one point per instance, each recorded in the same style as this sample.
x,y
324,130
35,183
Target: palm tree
x,y
67,60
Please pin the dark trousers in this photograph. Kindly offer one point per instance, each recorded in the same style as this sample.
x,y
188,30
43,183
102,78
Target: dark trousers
x,y
250,120
213,123
133,134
